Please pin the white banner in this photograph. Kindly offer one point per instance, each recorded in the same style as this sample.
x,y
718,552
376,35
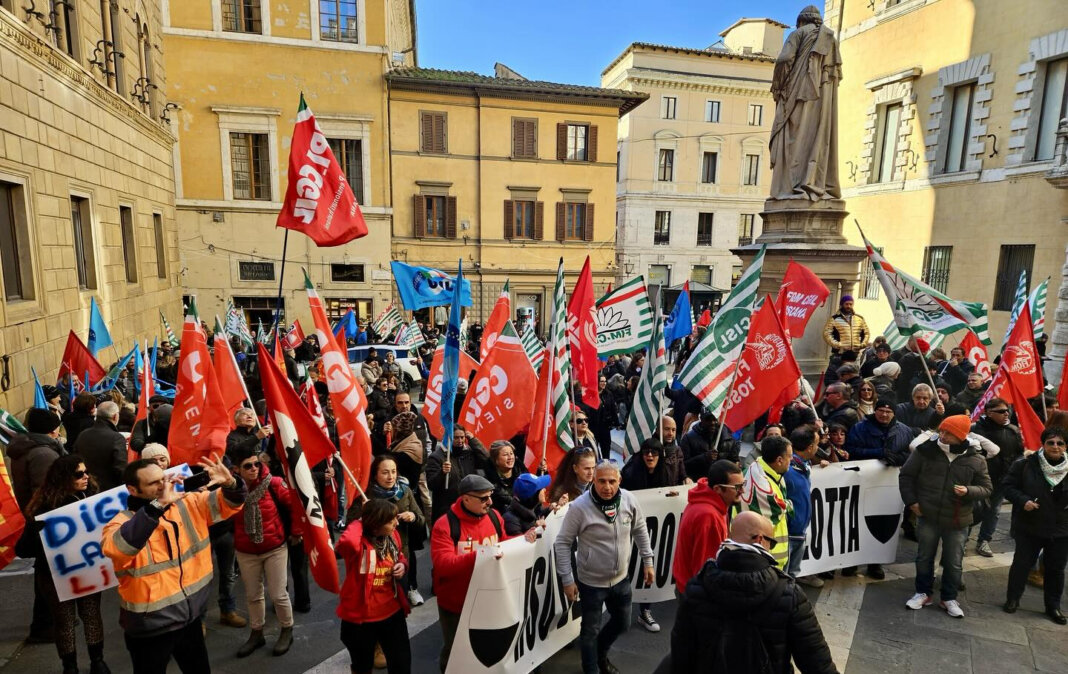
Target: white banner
x,y
663,510
856,514
71,541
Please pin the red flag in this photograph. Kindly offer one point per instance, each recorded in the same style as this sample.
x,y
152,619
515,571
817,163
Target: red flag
x,y
198,420
1020,357
996,389
502,312
346,396
319,201
541,436
582,335
1030,425
147,388
1062,393
78,360
431,406
231,384
304,445
311,400
294,337
800,294
279,357
11,520
792,391
500,400
705,320
767,367
975,352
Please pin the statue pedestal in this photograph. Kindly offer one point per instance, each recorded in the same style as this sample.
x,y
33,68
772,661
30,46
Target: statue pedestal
x,y
810,233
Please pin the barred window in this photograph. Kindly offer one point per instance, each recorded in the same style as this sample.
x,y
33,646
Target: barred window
x,y
241,16
250,163
936,266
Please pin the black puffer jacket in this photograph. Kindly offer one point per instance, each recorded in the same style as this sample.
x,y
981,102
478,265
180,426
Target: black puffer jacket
x,y
742,585
1009,441
1025,482
919,420
31,455
928,478
696,443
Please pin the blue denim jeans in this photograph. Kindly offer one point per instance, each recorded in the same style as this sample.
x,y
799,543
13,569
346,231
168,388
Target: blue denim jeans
x,y
797,553
222,544
594,640
928,535
989,522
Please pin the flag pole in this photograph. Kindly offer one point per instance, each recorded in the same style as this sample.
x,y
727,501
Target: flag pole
x,y
548,405
337,455
734,379
144,383
281,281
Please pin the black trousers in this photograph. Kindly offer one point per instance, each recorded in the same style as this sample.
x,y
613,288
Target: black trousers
x,y
298,566
1055,554
391,634
151,655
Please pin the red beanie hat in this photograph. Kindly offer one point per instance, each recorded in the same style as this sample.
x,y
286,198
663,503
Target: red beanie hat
x,y
958,425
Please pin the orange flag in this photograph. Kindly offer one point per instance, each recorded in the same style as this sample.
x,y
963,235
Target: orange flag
x,y
1030,425
231,383
11,520
279,357
431,406
500,400
198,421
502,312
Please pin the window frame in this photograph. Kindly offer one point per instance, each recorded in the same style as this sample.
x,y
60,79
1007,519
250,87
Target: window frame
x,y
960,160
755,112
713,109
751,169
334,275
572,154
432,199
1040,128
128,237
936,267
665,165
575,220
248,120
255,166
662,228
669,107
159,232
22,235
1006,280
705,155
337,4
709,236
520,208
886,142
746,223
263,17
84,259
358,188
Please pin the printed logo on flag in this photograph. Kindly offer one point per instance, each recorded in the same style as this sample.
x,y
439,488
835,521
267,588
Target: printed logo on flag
x,y
770,350
613,325
1018,358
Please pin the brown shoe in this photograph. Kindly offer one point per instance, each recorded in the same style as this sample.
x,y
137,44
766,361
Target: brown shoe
x,y
232,619
380,657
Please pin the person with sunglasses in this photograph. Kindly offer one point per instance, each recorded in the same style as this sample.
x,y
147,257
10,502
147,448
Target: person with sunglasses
x,y
995,426
67,481
580,427
742,613
1039,495
261,534
704,520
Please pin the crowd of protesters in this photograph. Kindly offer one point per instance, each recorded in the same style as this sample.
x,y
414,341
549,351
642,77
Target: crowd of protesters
x,y
739,561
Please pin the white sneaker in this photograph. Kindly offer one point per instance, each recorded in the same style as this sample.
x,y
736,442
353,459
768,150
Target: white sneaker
x,y
918,601
414,598
983,548
952,608
645,617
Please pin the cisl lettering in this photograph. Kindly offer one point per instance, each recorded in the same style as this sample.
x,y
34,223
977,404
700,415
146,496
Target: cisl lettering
x,y
545,606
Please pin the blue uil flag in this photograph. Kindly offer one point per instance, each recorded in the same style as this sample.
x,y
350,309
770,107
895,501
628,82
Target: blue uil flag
x,y
421,287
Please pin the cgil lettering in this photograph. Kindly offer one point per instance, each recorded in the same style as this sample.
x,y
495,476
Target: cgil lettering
x,y
310,183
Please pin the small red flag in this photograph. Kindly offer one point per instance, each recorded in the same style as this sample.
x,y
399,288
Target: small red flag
x,y
582,335
1030,425
1020,357
500,401
975,352
294,337
1062,393
147,388
12,522
198,421
541,436
231,384
78,360
767,368
800,294
502,312
319,201
432,405
279,357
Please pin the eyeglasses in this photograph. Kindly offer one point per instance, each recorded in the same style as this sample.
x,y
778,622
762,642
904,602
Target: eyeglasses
x,y
770,539
481,499
735,487
1055,443
1001,411
79,474
582,421
250,466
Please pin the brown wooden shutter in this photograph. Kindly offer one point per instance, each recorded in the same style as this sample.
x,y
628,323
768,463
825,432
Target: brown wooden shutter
x,y
418,216
561,141
591,144
509,218
587,226
440,131
450,217
517,138
539,220
532,138
426,124
561,217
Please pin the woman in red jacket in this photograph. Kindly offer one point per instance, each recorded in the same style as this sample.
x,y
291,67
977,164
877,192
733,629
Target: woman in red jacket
x,y
260,537
373,606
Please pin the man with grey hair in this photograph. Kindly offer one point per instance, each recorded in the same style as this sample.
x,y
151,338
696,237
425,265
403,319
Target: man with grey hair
x,y
920,414
103,448
605,521
837,406
247,433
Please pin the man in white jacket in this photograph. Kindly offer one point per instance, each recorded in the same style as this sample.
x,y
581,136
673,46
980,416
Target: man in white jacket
x,y
605,521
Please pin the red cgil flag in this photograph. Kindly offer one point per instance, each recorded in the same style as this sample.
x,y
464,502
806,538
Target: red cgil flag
x,y
1030,425
541,436
582,335
431,411
1020,357
800,294
304,445
975,352
500,400
231,383
198,421
767,368
78,361
792,391
294,337
319,201
502,312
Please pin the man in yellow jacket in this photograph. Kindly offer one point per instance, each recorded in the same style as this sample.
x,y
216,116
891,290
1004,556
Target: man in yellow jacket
x,y
764,492
161,552
846,330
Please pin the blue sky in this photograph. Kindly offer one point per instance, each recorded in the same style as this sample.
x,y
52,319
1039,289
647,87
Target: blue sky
x,y
571,41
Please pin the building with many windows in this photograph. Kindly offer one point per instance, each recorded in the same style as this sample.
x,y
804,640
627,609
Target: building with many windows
x,y
948,115
237,70
86,182
508,174
693,162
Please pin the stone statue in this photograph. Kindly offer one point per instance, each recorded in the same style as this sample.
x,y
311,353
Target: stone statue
x,y
804,137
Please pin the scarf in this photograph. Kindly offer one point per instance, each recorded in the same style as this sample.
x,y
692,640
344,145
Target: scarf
x,y
393,494
729,544
608,508
253,516
1053,473
385,547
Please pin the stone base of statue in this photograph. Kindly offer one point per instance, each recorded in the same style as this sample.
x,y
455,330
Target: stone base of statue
x,y
810,233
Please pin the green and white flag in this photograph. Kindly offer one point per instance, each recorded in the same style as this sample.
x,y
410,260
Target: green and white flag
x,y
261,336
561,391
918,307
1037,300
171,337
9,427
534,348
624,319
707,372
237,326
644,419
388,321
1017,304
895,340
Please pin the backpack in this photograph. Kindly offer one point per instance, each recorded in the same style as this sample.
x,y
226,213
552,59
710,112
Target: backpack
x,y
739,646
454,525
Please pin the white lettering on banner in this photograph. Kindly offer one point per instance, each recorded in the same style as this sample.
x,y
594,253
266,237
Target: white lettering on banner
x,y
71,540
309,186
495,382
662,509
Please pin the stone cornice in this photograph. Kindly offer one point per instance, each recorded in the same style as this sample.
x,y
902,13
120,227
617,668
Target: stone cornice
x,y
25,43
693,83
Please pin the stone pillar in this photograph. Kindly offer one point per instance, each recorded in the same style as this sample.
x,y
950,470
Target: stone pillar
x,y
1057,176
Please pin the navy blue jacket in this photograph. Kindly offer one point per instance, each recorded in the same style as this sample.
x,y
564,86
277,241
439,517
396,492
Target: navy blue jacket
x,y
871,440
799,491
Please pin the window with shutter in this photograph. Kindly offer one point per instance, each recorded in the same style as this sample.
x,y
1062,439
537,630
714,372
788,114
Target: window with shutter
x,y
561,141
561,216
524,138
433,128
587,229
509,216
574,221
539,220
591,150
418,215
435,216
450,217
522,222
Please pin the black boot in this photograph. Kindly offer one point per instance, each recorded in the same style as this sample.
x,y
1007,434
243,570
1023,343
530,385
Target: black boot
x,y
285,640
70,663
255,640
96,659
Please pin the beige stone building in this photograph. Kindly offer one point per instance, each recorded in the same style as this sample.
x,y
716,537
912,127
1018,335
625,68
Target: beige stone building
x,y
237,70
693,161
948,114
86,182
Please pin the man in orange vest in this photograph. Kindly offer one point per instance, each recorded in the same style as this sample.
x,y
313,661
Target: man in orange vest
x,y
161,552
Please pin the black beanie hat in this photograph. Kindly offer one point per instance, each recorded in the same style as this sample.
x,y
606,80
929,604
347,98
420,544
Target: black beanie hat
x,y
41,421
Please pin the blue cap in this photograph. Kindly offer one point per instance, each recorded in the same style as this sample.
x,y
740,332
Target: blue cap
x,y
527,486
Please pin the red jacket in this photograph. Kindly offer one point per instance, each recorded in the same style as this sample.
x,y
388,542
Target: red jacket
x,y
703,526
274,527
455,562
359,601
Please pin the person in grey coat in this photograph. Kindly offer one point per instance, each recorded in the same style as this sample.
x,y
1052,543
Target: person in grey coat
x,y
103,447
605,521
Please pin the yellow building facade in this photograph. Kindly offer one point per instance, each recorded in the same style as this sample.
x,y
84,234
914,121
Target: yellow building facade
x,y
507,174
237,72
948,113
86,183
